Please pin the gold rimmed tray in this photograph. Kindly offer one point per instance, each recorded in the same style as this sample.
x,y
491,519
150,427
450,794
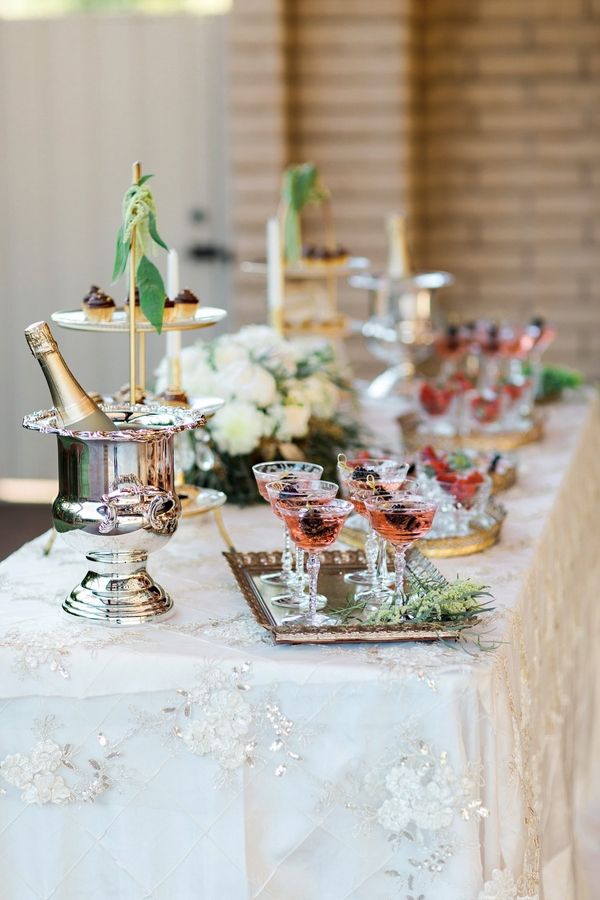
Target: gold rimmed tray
x,y
248,567
479,538
77,320
415,439
305,271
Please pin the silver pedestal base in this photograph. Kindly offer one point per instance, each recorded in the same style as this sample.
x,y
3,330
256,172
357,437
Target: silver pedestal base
x,y
118,591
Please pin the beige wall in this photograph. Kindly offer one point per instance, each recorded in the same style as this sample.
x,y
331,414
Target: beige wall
x,y
478,116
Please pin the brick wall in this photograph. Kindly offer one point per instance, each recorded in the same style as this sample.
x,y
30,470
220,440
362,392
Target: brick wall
x,y
509,161
478,116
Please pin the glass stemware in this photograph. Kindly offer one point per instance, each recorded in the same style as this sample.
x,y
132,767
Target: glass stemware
x,y
360,478
401,519
293,495
314,529
283,470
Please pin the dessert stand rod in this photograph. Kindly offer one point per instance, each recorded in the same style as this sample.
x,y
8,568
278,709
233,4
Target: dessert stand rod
x,y
137,174
142,361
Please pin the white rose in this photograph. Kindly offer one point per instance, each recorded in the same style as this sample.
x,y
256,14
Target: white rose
x,y
227,350
238,427
323,395
248,381
259,339
16,769
295,422
197,377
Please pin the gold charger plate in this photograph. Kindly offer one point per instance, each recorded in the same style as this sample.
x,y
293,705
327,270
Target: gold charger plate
x,y
248,567
475,440
478,540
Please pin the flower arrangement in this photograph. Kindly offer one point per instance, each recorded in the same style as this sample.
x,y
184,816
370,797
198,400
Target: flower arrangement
x,y
283,401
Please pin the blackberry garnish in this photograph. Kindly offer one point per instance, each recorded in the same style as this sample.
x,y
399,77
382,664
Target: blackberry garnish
x,y
402,519
315,526
361,473
412,470
289,490
380,491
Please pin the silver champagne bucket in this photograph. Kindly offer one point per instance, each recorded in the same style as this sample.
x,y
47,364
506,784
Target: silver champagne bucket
x,y
116,504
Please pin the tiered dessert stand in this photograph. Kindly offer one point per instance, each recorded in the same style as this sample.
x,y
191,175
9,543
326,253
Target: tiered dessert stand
x,y
403,317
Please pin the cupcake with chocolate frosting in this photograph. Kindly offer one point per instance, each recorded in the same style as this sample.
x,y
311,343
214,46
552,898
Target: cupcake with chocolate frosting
x,y
100,307
186,304
92,290
139,315
170,310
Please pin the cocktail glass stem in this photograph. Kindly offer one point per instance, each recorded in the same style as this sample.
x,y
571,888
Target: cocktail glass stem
x,y
371,554
383,567
299,583
400,569
286,559
312,567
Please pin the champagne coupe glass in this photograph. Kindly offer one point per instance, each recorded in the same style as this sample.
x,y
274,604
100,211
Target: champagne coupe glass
x,y
401,519
359,478
314,528
283,470
294,495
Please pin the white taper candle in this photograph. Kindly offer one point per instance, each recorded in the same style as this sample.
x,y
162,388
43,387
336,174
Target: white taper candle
x,y
275,288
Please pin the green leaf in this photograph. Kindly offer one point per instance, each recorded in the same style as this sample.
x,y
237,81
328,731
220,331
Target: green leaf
x,y
154,232
292,238
299,184
121,254
144,179
152,292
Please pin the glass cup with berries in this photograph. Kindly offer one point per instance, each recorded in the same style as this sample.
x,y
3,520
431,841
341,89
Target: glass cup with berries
x,y
438,404
359,478
294,495
284,470
485,410
401,519
314,529
464,497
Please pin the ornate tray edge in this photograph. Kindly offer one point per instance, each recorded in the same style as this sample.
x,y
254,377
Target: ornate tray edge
x,y
501,440
242,562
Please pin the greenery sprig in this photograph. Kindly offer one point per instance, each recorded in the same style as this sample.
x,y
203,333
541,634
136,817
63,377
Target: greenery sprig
x,y
301,186
139,212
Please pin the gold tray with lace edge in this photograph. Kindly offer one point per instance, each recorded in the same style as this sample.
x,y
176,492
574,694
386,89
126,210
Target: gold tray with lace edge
x,y
248,567
474,440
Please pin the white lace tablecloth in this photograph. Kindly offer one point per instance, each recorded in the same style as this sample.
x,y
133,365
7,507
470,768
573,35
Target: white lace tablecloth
x,y
193,759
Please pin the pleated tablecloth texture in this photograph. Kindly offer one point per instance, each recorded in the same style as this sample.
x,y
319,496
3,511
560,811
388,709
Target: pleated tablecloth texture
x,y
193,759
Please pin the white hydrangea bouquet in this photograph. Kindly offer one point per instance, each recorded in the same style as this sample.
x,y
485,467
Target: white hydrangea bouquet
x,y
283,401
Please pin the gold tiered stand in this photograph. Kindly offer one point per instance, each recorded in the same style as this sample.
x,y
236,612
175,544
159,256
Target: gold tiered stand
x,y
195,501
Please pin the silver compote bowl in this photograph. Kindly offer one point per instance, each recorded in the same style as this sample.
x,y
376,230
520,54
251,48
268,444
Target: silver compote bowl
x,y
117,503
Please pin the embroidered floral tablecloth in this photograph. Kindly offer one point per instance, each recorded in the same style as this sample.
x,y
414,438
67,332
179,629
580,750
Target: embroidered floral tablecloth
x,y
193,759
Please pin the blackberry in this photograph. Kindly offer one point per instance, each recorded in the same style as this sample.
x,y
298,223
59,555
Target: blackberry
x,y
412,470
402,519
289,490
361,473
315,526
380,491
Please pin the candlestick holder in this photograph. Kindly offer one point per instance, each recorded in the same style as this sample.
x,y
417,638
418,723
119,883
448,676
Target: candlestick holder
x,y
117,503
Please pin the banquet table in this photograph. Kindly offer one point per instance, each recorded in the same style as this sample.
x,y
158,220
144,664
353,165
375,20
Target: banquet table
x,y
194,759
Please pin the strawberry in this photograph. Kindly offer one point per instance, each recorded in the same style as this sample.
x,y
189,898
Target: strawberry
x,y
435,401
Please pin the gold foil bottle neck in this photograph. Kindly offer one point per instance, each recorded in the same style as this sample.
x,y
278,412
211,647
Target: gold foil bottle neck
x,y
40,339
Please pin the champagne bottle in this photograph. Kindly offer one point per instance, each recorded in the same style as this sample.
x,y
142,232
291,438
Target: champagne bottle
x,y
77,411
399,263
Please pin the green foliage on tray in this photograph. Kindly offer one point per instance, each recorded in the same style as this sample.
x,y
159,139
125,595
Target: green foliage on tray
x,y
301,186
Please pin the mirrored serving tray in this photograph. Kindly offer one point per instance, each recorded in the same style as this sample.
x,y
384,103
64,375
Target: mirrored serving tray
x,y
77,320
481,536
248,567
